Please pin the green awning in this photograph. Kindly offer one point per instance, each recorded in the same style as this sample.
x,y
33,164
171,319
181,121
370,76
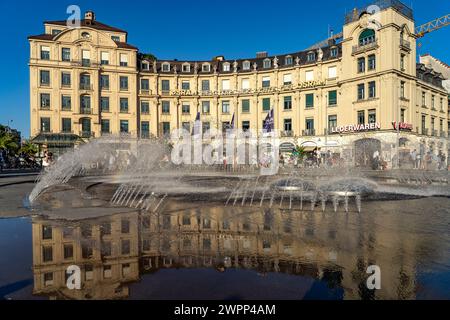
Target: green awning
x,y
57,139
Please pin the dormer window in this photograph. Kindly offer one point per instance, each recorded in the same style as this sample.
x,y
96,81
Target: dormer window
x,y
288,60
206,67
165,67
115,38
56,32
186,67
311,57
366,37
267,63
334,52
145,65
246,65
226,67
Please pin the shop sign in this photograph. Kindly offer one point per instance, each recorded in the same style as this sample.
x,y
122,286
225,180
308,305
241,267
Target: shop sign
x,y
403,126
270,90
356,128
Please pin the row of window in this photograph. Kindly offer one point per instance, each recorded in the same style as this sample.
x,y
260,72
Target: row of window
x,y
245,83
361,90
85,103
433,101
85,81
246,65
371,63
246,125
66,56
245,104
66,125
433,124
89,274
86,250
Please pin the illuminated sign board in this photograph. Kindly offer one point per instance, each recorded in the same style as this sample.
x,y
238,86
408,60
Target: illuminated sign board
x,y
403,126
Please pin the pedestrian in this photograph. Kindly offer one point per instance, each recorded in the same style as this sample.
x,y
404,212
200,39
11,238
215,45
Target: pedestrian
x,y
414,159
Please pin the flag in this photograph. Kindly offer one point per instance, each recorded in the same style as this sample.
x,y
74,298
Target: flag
x,y
197,125
268,122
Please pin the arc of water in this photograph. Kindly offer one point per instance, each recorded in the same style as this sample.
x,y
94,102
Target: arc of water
x,y
147,191
137,194
160,201
254,190
264,193
232,193
245,193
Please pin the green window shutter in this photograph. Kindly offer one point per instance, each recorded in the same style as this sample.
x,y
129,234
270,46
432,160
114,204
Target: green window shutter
x,y
310,100
332,98
266,104
245,105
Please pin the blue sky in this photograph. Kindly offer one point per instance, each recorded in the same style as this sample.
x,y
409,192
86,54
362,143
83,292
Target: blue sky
x,y
189,30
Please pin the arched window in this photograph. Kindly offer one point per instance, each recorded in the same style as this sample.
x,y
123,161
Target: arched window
x,y
367,37
267,63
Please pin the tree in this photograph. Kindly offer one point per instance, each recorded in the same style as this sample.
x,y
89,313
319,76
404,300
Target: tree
x,y
147,56
29,148
7,142
299,153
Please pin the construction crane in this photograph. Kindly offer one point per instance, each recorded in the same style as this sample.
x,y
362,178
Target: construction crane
x,y
432,26
420,31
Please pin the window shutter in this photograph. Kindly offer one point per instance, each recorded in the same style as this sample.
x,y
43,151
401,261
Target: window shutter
x,y
245,84
287,78
105,56
86,54
332,73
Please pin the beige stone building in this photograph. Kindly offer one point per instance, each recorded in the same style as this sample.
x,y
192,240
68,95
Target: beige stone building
x,y
345,97
115,252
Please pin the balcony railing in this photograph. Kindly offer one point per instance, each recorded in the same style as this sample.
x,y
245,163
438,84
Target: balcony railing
x,y
87,134
434,132
288,133
425,131
145,92
309,132
86,86
85,110
364,47
405,44
382,5
444,134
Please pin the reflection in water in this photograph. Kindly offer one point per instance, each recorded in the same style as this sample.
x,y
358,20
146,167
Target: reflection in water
x,y
116,252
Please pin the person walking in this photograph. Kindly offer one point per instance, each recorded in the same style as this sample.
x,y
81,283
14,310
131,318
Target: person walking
x,y
414,159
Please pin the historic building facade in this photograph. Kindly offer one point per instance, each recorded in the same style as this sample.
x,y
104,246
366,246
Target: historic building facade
x,y
345,97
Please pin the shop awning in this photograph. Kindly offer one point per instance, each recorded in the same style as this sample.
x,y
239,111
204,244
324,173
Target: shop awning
x,y
58,139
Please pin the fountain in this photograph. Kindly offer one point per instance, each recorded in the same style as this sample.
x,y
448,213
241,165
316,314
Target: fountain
x,y
137,174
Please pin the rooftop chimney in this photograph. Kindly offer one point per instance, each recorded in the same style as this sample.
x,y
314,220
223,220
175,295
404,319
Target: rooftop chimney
x,y
89,16
261,54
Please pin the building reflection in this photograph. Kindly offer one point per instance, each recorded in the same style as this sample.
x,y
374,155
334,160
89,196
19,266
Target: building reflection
x,y
115,251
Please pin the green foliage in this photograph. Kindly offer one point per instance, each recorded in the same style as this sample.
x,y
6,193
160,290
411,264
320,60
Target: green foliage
x,y
299,153
147,56
8,142
29,148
